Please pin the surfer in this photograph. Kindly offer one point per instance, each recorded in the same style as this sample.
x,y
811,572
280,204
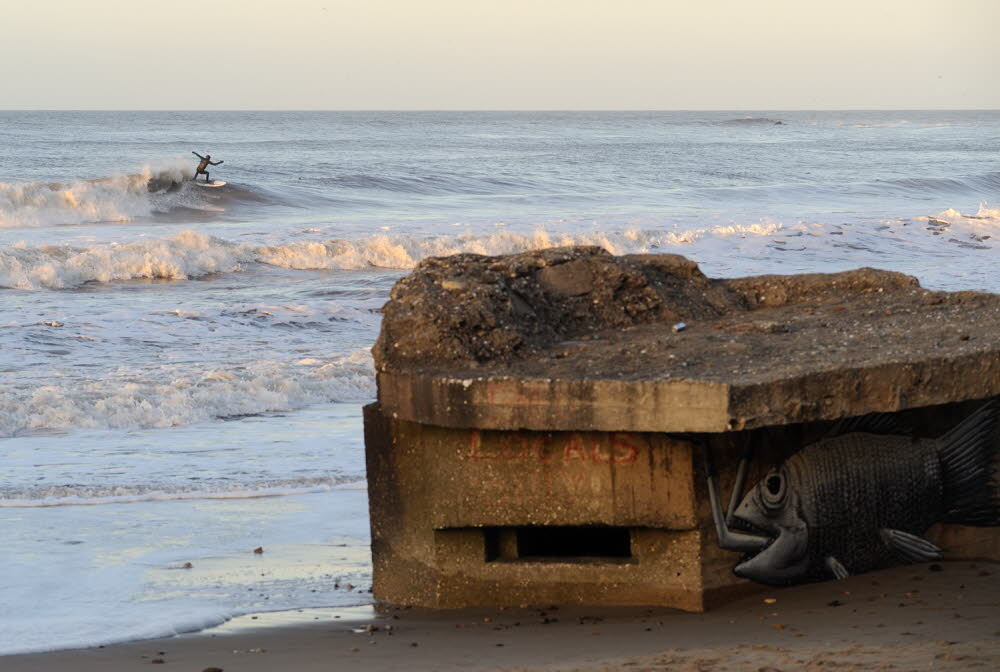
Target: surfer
x,y
206,161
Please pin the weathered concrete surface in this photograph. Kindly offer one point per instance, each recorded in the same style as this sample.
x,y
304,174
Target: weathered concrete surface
x,y
436,494
574,339
545,392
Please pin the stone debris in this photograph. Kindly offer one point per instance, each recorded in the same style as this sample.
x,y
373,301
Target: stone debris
x,y
470,309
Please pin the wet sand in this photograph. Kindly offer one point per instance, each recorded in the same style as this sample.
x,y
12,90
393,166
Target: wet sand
x,y
942,617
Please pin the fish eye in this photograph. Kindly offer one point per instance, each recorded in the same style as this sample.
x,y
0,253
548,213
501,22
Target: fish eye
x,y
774,489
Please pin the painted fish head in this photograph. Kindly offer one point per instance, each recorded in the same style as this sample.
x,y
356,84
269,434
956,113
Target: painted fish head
x,y
771,509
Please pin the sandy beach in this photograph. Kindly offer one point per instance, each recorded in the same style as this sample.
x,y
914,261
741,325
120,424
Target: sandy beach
x,y
922,617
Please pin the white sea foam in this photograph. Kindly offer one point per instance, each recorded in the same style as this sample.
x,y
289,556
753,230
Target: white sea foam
x,y
187,255
146,399
192,254
114,199
406,251
985,216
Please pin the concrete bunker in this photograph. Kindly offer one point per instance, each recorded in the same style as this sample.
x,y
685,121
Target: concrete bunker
x,y
541,426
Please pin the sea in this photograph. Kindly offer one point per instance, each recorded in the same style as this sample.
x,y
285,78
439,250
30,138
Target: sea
x,y
182,369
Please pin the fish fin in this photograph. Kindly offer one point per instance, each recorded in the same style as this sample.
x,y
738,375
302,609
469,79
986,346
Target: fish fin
x,y
872,423
836,568
910,546
967,455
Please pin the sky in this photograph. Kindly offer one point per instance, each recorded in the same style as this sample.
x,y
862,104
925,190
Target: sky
x,y
500,54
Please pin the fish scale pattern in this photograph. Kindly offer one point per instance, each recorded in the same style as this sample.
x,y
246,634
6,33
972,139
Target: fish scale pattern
x,y
853,486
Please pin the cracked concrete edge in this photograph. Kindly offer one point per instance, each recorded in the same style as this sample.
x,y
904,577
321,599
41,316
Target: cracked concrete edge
x,y
680,405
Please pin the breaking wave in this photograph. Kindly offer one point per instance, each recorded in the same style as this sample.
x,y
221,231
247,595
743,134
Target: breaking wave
x,y
191,254
154,190
145,401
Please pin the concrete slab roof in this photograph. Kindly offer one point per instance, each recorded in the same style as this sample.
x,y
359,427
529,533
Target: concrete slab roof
x,y
578,339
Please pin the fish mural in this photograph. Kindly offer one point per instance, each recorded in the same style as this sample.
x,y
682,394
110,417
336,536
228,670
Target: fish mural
x,y
859,500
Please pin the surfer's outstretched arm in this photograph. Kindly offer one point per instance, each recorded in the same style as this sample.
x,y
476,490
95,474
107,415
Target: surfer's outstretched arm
x,y
198,155
215,163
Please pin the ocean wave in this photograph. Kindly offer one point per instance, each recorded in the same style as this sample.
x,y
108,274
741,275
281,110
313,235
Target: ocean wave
x,y
883,124
980,186
187,255
403,252
158,189
978,227
899,123
146,400
753,121
426,184
191,254
97,495
986,184
984,214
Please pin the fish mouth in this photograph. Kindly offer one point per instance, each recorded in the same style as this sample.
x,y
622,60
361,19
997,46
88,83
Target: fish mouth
x,y
743,525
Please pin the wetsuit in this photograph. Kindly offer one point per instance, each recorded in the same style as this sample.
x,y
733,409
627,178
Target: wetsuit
x,y
206,161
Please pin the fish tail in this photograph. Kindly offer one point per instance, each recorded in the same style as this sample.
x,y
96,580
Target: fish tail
x,y
967,455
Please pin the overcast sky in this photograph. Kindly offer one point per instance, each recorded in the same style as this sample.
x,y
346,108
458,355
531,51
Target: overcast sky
x,y
499,54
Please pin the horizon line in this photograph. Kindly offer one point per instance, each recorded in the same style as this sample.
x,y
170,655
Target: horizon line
x,y
512,110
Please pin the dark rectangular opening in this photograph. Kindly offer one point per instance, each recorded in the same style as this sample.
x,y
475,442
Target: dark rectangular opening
x,y
573,542
491,539
557,543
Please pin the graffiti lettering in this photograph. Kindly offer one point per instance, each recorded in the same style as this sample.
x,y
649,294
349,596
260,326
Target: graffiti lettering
x,y
626,452
574,447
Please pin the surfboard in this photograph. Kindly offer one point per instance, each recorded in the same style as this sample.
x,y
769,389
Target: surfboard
x,y
213,183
